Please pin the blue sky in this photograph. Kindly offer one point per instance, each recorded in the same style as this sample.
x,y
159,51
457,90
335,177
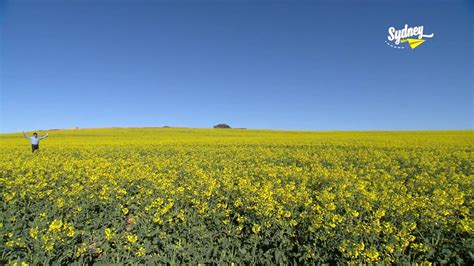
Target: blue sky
x,y
256,64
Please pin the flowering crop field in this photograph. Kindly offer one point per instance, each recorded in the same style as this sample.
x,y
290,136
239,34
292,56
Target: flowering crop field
x,y
210,196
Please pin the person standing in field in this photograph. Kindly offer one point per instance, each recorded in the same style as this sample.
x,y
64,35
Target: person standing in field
x,y
34,140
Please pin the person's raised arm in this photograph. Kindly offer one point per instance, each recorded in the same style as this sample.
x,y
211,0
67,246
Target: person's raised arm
x,y
24,135
45,136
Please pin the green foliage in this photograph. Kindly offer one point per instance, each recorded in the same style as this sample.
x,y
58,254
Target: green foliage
x,y
193,196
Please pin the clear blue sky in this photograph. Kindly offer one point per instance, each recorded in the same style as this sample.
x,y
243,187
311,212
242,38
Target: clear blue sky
x,y
272,64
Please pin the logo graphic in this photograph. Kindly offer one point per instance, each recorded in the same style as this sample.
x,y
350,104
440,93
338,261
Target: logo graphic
x,y
413,36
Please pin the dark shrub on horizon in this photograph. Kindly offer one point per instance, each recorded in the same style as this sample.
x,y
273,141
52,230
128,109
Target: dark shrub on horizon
x,y
222,126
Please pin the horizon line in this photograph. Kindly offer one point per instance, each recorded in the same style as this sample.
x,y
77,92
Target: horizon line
x,y
239,128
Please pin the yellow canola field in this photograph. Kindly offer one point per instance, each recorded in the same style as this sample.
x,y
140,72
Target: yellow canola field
x,y
165,195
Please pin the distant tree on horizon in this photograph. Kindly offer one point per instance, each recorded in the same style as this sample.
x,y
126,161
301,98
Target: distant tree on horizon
x,y
222,126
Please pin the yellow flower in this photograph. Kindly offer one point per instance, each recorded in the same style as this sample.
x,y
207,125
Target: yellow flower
x,y
181,216
22,264
49,246
34,233
349,187
81,250
390,248
140,252
256,228
293,222
238,202
372,254
108,233
69,228
132,238
240,219
56,225
380,213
